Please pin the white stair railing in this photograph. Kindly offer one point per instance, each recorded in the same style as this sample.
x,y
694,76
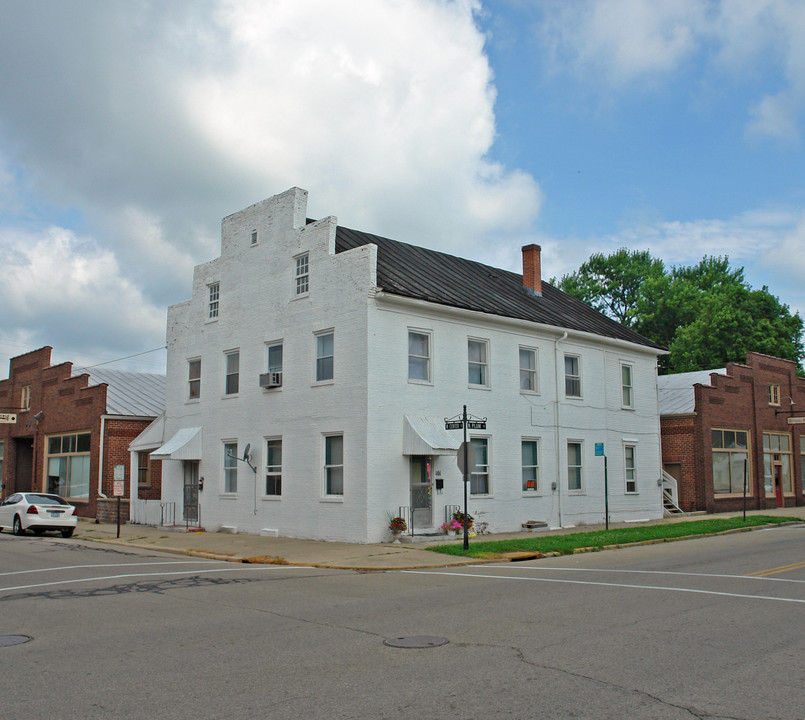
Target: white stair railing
x,y
670,496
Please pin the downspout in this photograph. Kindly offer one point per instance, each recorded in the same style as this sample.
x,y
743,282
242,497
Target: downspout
x,y
556,424
100,459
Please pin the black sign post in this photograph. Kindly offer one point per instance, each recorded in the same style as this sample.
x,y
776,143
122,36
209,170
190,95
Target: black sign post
x,y
463,422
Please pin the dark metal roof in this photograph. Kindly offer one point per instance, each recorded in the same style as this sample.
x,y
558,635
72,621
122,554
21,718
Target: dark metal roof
x,y
437,277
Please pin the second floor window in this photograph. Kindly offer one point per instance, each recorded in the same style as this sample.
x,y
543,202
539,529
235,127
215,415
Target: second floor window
x,y
478,362
627,391
194,379
215,293
275,358
25,398
528,369
301,275
774,394
232,379
418,356
325,350
572,376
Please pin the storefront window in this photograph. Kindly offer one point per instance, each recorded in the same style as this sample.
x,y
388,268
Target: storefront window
x,y
777,454
67,465
730,461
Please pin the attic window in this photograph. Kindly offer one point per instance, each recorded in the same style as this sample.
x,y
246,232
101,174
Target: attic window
x,y
254,237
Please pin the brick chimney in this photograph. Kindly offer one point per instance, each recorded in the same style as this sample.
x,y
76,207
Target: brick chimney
x,y
532,269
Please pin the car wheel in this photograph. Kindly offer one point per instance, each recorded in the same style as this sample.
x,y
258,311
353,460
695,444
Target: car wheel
x,y
67,532
18,528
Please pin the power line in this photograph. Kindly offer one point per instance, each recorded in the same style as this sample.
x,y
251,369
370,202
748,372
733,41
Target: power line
x,y
109,362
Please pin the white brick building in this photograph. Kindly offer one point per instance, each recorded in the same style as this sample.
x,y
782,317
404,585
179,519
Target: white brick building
x,y
336,355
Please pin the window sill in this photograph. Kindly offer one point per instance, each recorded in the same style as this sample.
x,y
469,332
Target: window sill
x,y
192,401
230,396
482,496
211,320
332,499
529,392
478,387
300,296
271,498
532,494
414,381
227,496
576,492
322,383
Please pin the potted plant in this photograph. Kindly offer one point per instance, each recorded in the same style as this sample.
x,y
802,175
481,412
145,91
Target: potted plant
x,y
452,527
397,525
459,517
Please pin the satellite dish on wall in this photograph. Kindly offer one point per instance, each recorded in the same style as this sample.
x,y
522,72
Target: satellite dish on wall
x,y
246,452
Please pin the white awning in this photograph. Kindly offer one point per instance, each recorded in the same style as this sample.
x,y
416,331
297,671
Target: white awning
x,y
427,436
184,445
152,437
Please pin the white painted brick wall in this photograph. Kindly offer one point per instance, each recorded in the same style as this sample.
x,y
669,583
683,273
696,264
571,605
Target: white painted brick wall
x,y
371,395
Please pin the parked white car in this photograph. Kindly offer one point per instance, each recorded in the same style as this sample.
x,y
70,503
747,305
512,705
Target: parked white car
x,y
37,512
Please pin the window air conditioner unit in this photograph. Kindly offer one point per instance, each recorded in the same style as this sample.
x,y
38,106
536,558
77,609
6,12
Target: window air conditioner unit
x,y
271,380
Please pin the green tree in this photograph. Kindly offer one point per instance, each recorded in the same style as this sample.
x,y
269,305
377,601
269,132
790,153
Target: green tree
x,y
705,314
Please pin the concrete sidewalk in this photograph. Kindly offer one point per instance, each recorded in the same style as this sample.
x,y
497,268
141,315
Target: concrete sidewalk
x,y
348,556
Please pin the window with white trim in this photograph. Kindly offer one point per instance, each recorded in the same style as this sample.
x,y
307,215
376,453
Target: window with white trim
x,y
627,387
774,394
67,461
214,295
274,352
25,398
274,466
630,467
194,379
575,477
528,370
478,362
730,455
325,356
232,376
419,355
230,467
302,275
530,464
572,376
479,478
334,465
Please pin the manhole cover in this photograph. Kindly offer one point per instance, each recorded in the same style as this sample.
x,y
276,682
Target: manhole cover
x,y
417,641
13,640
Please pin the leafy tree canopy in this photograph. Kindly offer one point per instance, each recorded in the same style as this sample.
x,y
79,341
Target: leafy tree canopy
x,y
705,314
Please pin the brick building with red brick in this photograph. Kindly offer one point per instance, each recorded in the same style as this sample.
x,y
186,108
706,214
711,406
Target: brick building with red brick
x,y
67,431
715,423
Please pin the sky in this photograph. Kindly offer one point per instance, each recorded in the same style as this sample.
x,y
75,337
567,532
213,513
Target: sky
x,y
130,128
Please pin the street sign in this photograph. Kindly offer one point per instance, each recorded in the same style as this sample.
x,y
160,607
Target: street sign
x,y
599,449
476,425
118,488
8,417
453,425
470,457
796,421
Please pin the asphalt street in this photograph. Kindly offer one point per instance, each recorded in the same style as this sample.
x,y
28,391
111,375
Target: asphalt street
x,y
703,628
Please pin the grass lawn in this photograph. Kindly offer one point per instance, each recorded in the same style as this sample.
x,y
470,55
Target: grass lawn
x,y
566,544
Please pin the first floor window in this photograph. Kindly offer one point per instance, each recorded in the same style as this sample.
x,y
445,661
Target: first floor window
x,y
194,379
334,465
2,452
630,468
730,461
418,356
479,479
528,369
230,467
274,466
574,466
777,463
325,351
232,380
143,469
67,465
530,459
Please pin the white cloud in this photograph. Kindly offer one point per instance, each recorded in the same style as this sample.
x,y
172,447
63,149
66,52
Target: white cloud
x,y
617,44
66,291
